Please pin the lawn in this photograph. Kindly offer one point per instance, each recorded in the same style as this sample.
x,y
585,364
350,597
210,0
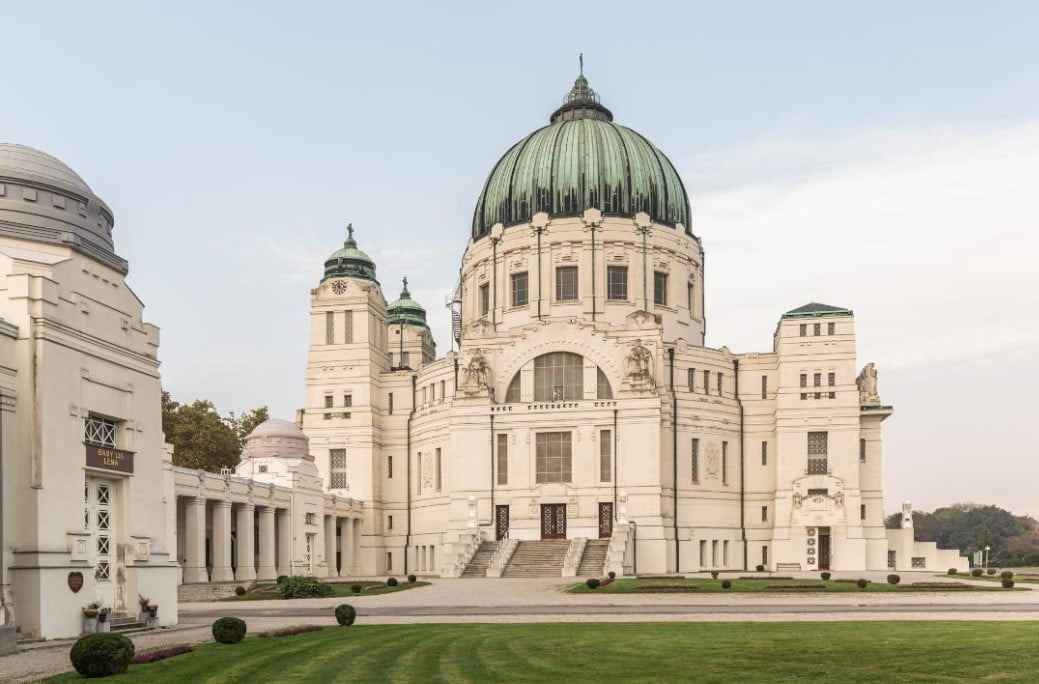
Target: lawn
x,y
1023,578
602,652
269,591
771,586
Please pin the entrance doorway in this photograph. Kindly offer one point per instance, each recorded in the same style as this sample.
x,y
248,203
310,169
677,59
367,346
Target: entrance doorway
x,y
605,519
99,518
501,522
824,548
553,521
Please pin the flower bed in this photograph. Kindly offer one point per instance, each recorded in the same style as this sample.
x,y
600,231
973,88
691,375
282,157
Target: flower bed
x,y
669,587
796,586
289,631
770,578
160,654
939,585
850,581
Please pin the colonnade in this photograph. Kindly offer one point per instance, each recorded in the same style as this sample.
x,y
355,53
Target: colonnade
x,y
260,537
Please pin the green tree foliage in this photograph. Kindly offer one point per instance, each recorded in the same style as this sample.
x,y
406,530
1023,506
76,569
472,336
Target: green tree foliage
x,y
201,438
1014,539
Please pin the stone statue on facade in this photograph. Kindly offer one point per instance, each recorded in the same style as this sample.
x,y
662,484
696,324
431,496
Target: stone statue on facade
x,y
639,372
867,384
476,378
798,498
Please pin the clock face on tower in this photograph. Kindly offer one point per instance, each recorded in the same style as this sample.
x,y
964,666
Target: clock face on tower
x,y
339,287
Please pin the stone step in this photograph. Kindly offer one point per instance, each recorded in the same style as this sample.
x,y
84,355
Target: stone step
x,y
594,559
481,559
537,559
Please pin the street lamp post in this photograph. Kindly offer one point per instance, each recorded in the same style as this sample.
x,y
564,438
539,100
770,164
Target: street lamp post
x,y
986,557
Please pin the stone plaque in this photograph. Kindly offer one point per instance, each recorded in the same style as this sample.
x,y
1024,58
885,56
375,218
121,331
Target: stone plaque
x,y
75,581
109,458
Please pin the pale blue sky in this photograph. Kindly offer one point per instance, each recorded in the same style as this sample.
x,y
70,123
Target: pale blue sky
x,y
880,157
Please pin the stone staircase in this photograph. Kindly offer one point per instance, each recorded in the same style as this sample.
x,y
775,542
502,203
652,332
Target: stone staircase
x,y
538,559
478,565
125,624
594,559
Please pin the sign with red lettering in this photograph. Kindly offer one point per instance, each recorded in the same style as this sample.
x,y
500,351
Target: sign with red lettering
x,y
109,458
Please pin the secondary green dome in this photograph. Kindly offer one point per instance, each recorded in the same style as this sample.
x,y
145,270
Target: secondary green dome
x,y
405,310
582,160
349,262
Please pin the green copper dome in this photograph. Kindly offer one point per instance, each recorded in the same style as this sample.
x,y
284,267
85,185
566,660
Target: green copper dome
x,y
405,310
349,262
581,160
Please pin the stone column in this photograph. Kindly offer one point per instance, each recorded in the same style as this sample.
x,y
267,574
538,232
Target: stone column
x,y
246,551
195,540
284,542
222,542
330,545
356,546
266,571
346,545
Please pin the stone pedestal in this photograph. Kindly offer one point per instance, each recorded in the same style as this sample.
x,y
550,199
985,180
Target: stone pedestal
x,y
7,640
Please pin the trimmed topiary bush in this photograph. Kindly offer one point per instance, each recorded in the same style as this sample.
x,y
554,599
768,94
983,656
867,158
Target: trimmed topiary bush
x,y
726,584
953,571
976,572
1006,574
824,575
345,614
592,583
282,578
239,590
101,655
412,579
304,586
611,574
356,588
861,583
391,582
760,568
229,630
1007,583
893,579
990,571
714,574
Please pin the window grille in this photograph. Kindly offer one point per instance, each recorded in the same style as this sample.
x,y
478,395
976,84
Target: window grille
x,y
818,492
337,468
617,282
817,453
558,376
764,556
816,329
830,328
605,454
764,387
764,453
566,283
389,467
553,457
99,431
695,461
764,514
660,288
862,511
101,573
520,288
310,518
862,451
328,401
503,459
919,562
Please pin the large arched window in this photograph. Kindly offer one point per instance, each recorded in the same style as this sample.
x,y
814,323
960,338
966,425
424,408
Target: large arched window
x,y
558,376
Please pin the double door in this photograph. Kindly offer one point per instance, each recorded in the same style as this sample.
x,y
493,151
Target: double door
x,y
553,521
99,520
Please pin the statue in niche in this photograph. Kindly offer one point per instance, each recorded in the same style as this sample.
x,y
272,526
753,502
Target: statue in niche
x,y
640,367
713,461
477,375
867,384
798,498
838,498
120,576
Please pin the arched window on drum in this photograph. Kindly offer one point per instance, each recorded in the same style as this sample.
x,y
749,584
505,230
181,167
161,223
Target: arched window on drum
x,y
558,376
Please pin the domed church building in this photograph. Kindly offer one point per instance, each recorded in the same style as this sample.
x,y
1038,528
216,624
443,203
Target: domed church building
x,y
582,426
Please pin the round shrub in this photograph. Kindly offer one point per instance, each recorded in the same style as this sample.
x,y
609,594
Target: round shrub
x,y
345,614
1006,574
411,579
391,582
592,583
611,574
726,584
282,578
759,568
714,574
1007,583
861,583
101,655
825,575
239,590
229,630
356,588
990,571
304,586
953,571
976,572
893,579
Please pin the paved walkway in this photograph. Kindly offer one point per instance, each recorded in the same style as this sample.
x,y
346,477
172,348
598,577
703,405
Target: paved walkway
x,y
543,600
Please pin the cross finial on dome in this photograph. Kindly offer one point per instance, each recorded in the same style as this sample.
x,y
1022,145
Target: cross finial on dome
x,y
350,242
404,292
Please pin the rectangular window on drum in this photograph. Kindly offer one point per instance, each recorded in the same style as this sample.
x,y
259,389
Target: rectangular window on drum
x,y
720,376
605,456
764,514
707,382
485,298
660,288
764,387
519,289
695,461
617,283
862,451
689,298
348,326
439,472
764,453
503,459
330,328
725,463
691,379
566,283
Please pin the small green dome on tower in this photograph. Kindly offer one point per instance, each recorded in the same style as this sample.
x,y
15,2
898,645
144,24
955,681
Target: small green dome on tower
x,y
405,310
349,262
